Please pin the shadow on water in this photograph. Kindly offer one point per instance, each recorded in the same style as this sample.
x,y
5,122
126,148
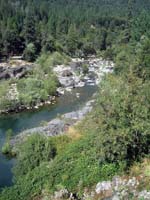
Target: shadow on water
x,y
29,119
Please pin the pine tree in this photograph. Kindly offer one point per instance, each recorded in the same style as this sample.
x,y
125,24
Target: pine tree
x,y
72,39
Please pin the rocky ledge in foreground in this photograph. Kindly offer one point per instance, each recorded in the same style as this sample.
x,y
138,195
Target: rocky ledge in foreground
x,y
119,188
56,126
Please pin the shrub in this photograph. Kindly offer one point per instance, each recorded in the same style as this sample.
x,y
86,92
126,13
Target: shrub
x,y
4,101
49,60
85,68
35,150
122,114
6,149
29,52
33,90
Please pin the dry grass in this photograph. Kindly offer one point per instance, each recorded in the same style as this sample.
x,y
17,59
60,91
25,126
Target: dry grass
x,y
142,172
142,168
73,133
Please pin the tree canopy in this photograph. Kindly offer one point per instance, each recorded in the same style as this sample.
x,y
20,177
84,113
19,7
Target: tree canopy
x,y
72,25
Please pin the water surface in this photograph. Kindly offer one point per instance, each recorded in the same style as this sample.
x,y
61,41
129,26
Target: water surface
x,y
29,119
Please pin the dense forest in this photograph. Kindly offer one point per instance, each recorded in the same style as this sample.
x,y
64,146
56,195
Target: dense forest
x,y
115,136
74,27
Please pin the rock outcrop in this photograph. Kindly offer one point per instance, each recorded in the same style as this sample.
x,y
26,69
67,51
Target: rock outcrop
x,y
118,189
20,70
121,188
70,76
74,75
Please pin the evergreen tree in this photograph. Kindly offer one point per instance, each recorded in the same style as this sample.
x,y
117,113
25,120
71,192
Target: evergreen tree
x,y
72,40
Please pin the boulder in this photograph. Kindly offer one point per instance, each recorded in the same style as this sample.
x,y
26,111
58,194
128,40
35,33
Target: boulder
x,y
55,127
67,81
144,195
66,73
7,71
103,187
5,75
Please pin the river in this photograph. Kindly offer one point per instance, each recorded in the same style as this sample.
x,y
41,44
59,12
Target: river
x,y
29,119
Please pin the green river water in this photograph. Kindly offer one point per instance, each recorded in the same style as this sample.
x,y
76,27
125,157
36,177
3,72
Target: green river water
x,y
29,119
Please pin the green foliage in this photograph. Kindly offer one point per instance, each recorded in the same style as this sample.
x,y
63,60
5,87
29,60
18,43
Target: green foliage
x,y
143,58
74,168
35,150
122,60
72,40
78,166
4,88
47,60
29,186
41,83
116,133
61,142
66,26
124,116
29,52
36,87
49,44
141,26
120,113
33,91
6,102
9,134
85,68
6,149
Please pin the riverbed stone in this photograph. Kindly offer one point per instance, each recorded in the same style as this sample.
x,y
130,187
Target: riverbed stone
x,y
73,75
7,71
56,126
66,81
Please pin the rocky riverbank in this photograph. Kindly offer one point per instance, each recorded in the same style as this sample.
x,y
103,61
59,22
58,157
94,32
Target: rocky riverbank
x,y
56,126
15,69
81,72
70,77
78,73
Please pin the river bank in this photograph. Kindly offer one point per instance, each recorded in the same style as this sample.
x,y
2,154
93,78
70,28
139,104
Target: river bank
x,y
70,106
71,77
78,73
56,126
19,122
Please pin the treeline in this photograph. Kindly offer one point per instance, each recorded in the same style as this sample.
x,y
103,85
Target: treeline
x,y
74,27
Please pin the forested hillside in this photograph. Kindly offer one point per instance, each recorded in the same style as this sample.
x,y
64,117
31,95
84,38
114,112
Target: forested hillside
x,y
115,137
74,27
